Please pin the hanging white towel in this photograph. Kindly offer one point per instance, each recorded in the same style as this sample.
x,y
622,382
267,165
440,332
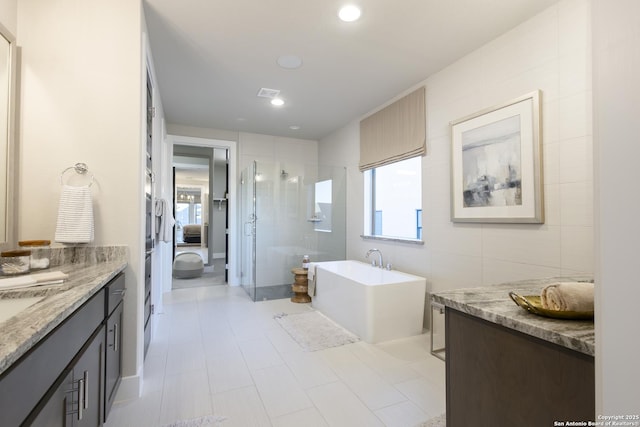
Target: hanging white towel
x,y
311,279
164,220
75,215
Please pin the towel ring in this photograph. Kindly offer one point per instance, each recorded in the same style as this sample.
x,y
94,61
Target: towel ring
x,y
81,169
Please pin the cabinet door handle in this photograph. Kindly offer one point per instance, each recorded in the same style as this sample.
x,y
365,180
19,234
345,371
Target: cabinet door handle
x,y
81,388
115,337
85,391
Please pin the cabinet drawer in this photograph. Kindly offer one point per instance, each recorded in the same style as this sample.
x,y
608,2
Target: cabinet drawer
x,y
115,293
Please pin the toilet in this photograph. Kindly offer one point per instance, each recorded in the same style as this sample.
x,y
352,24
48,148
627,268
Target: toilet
x,y
187,265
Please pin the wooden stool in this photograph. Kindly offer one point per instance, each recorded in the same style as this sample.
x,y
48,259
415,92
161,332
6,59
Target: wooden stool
x,y
300,286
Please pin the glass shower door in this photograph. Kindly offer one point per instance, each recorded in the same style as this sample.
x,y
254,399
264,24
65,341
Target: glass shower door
x,y
248,239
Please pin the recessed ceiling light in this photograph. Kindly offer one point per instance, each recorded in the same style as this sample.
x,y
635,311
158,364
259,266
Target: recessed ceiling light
x,y
294,127
349,13
277,102
289,62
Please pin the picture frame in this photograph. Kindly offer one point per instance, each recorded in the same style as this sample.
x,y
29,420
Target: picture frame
x,y
496,164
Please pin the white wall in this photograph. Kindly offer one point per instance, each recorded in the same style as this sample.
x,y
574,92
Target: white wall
x,y
9,15
81,89
550,52
616,54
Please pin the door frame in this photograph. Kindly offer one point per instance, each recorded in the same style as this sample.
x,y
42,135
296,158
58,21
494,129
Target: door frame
x,y
232,147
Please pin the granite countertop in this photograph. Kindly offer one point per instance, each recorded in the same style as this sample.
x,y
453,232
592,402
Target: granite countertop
x,y
22,331
492,303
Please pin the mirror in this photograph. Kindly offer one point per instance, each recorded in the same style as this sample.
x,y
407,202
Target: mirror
x,y
6,132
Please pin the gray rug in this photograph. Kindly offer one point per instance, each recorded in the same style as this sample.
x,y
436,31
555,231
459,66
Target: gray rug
x,y
314,331
208,421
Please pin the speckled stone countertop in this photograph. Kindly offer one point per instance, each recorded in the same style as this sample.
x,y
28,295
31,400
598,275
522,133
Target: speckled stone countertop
x,y
492,303
89,269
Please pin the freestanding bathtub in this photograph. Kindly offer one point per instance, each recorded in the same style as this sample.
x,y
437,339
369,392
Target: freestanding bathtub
x,y
373,303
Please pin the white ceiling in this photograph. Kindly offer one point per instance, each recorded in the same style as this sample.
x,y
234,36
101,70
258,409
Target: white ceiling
x,y
213,56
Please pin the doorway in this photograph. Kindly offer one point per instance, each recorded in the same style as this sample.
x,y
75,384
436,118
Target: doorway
x,y
200,188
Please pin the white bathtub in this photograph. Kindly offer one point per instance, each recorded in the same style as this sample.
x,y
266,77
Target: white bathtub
x,y
375,304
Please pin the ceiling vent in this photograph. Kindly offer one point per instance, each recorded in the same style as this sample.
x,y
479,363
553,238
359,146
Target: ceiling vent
x,y
268,93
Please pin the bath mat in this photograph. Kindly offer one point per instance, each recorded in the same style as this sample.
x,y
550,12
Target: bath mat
x,y
208,421
440,421
314,331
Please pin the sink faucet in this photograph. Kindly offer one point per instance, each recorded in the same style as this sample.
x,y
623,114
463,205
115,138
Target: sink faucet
x,y
373,263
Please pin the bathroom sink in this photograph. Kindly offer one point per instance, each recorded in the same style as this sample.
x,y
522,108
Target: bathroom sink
x,y
9,307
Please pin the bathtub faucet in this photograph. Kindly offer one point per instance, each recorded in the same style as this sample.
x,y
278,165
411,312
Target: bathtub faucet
x,y
373,263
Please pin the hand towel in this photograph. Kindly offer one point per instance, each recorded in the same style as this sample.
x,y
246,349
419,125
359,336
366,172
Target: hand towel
x,y
568,296
311,280
75,215
164,220
17,282
38,279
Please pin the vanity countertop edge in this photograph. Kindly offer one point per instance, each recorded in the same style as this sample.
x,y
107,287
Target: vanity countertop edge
x,y
493,304
24,330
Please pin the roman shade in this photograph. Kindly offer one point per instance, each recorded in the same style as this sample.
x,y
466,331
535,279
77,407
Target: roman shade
x,y
397,132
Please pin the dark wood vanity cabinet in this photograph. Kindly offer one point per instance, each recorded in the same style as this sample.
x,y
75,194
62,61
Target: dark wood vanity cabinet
x,y
501,377
62,380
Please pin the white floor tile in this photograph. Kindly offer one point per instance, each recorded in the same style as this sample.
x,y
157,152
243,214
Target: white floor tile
x,y
185,396
143,412
390,368
242,408
375,392
427,396
215,352
310,368
220,344
279,390
283,342
431,368
405,414
155,367
411,349
185,356
341,408
307,418
259,353
228,374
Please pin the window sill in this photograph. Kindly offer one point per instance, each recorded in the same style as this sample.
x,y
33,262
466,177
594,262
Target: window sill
x,y
393,239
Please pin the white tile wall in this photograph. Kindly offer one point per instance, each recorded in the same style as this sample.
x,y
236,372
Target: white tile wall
x,y
550,52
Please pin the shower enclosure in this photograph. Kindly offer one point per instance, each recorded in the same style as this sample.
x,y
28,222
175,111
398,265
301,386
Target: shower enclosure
x,y
288,211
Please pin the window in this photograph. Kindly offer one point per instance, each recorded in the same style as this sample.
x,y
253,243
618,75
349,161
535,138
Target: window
x,y
393,198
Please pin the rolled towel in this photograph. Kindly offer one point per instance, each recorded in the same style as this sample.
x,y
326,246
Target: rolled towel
x,y
568,296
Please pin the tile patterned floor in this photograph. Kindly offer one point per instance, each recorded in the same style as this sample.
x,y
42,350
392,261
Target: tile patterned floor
x,y
216,352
